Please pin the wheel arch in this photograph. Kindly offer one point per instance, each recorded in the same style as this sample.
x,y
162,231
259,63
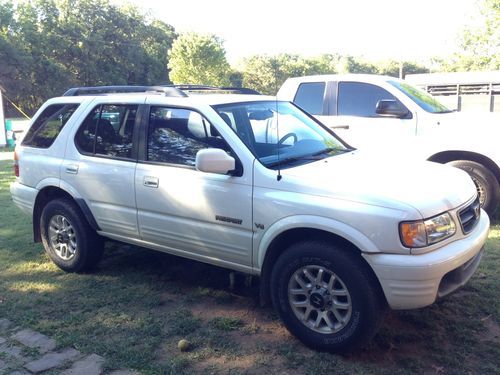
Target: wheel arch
x,y
447,156
49,193
283,240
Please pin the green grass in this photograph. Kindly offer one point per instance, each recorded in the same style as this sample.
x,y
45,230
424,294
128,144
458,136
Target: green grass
x,y
138,304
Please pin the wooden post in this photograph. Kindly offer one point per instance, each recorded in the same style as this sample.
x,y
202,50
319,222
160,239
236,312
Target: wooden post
x,y
3,140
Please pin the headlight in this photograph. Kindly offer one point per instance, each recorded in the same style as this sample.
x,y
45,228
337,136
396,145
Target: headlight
x,y
427,232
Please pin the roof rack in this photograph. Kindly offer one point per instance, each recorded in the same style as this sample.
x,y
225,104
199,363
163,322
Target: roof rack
x,y
97,90
201,88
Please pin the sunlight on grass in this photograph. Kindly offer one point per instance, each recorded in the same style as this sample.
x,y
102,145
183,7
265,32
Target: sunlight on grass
x,y
32,270
6,232
494,231
39,287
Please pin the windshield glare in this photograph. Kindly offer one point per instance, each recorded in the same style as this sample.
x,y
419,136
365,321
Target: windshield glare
x,y
278,133
426,101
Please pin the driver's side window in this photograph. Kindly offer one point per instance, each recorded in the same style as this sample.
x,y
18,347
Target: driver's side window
x,y
360,99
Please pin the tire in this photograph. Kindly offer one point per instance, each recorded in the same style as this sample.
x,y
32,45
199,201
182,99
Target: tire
x,y
354,290
67,237
486,183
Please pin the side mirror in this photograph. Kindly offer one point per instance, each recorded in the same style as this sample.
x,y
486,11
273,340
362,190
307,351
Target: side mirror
x,y
390,108
214,160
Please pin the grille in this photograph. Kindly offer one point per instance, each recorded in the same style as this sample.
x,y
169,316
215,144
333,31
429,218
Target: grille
x,y
469,216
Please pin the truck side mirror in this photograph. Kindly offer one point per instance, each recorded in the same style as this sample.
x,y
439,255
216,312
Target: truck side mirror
x,y
214,160
390,108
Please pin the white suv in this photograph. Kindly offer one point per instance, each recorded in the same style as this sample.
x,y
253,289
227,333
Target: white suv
x,y
255,185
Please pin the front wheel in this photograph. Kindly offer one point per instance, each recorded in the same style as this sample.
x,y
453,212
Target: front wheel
x,y
486,183
326,296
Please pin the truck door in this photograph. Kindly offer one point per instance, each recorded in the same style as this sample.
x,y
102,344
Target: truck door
x,y
352,115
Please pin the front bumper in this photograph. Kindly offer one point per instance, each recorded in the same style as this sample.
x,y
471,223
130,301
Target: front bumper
x,y
413,281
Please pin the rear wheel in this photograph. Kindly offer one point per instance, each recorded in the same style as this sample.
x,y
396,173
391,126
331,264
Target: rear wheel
x,y
487,185
67,237
326,296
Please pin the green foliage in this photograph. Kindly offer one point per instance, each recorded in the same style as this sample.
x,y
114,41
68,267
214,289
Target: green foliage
x,y
47,46
267,73
226,323
198,59
479,43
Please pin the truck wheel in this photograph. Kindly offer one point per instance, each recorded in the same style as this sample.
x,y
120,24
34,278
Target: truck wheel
x,y
67,237
486,183
326,297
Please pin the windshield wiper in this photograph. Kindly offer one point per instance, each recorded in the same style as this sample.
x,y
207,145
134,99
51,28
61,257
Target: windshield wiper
x,y
446,111
313,157
290,160
332,149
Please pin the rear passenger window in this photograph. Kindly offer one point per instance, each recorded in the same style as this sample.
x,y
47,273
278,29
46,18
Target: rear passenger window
x,y
175,135
48,125
108,131
310,97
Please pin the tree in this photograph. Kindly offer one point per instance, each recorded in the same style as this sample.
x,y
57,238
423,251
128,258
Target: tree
x,y
266,74
198,59
479,43
351,64
47,46
391,68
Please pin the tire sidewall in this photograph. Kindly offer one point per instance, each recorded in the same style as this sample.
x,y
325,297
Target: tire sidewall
x,y
66,209
484,177
342,266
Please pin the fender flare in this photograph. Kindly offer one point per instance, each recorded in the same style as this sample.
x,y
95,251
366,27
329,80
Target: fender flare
x,y
67,190
332,226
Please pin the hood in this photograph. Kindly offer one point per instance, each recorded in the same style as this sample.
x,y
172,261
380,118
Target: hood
x,y
469,120
491,118
468,131
427,187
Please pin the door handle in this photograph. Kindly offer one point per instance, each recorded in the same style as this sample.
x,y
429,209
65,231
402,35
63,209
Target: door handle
x,y
340,127
72,169
151,182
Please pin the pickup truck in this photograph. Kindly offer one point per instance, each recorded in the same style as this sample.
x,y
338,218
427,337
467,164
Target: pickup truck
x,y
391,116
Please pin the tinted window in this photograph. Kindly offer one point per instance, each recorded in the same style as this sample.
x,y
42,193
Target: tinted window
x,y
48,125
108,131
176,135
310,97
360,99
426,101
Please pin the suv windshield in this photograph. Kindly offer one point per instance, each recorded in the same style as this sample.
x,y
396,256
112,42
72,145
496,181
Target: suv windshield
x,y
426,101
279,134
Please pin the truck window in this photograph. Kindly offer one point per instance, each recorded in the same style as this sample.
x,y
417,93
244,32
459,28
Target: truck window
x,y
360,99
310,97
